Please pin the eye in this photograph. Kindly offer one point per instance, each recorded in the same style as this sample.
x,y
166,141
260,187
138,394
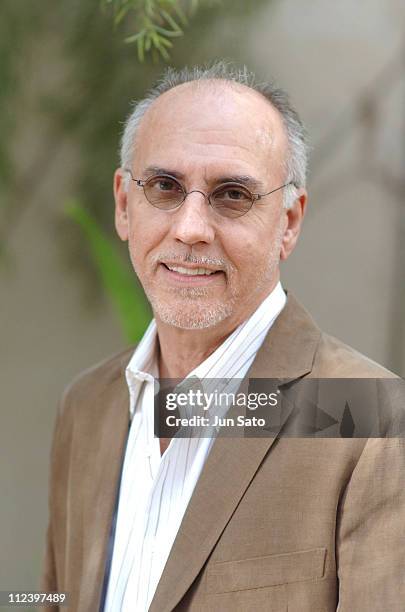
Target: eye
x,y
164,184
232,193
235,194
232,200
163,191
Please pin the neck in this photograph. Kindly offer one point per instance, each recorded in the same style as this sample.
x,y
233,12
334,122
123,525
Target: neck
x,y
182,350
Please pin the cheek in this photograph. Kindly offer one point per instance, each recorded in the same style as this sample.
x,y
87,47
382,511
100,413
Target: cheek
x,y
251,249
246,244
243,250
145,234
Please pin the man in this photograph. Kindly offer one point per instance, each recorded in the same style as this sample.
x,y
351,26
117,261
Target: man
x,y
210,196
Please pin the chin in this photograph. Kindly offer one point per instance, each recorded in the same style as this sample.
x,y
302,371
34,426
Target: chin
x,y
192,316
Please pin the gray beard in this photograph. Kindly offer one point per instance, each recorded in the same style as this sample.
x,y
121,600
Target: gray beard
x,y
191,313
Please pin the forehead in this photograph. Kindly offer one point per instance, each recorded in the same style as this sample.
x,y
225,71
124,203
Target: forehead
x,y
212,124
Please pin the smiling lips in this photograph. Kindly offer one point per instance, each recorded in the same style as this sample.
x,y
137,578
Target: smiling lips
x,y
190,274
191,271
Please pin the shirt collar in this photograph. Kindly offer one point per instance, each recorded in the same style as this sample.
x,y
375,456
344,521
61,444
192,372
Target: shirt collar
x,y
219,363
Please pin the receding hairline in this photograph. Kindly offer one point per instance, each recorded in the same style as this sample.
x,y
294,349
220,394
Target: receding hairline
x,y
214,84
272,120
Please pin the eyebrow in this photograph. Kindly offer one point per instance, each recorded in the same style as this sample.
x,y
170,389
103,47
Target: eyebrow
x,y
244,179
152,170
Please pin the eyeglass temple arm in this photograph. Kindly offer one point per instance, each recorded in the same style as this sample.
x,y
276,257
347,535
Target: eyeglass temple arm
x,y
258,196
139,182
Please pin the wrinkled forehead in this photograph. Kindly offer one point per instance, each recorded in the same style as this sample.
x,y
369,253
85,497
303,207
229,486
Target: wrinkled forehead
x,y
215,110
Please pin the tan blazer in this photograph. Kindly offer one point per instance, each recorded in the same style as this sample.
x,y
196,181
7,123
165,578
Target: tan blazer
x,y
274,524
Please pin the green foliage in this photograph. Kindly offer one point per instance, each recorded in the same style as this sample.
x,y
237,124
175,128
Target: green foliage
x,y
116,275
66,83
156,23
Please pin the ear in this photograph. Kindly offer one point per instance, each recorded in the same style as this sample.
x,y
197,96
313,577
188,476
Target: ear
x,y
121,204
294,218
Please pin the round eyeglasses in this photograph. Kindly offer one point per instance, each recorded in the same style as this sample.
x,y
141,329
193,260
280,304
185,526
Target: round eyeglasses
x,y
228,199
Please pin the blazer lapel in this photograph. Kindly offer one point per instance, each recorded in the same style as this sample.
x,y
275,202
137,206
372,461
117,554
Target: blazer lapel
x,y
107,433
286,354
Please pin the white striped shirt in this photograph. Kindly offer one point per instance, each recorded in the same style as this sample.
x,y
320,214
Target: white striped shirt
x,y
155,490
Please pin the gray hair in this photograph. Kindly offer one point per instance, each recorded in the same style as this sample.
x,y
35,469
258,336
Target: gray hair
x,y
297,157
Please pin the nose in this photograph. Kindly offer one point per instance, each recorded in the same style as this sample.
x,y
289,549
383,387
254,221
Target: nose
x,y
192,222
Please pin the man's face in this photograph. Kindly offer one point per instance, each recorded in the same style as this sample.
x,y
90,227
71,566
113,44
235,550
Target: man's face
x,y
206,135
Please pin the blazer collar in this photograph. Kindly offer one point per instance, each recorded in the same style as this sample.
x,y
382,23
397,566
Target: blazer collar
x,y
287,353
288,350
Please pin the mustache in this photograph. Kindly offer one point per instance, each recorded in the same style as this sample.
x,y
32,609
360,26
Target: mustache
x,y
200,260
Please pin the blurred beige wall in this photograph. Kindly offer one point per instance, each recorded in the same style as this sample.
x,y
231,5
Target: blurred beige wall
x,y
344,65
347,268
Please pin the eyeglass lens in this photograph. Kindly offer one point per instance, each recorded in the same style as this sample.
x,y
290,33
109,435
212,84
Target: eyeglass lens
x,y
229,200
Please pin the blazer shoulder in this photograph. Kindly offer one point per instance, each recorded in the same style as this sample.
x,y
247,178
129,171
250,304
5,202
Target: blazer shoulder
x,y
334,358
96,378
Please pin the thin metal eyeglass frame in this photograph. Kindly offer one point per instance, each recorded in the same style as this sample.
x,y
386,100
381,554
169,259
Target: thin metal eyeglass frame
x,y
254,196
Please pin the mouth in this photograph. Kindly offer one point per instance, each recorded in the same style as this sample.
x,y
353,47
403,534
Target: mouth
x,y
191,274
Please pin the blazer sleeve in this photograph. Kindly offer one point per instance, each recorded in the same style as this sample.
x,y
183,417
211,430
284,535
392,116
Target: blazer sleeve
x,y
371,531
49,581
49,578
